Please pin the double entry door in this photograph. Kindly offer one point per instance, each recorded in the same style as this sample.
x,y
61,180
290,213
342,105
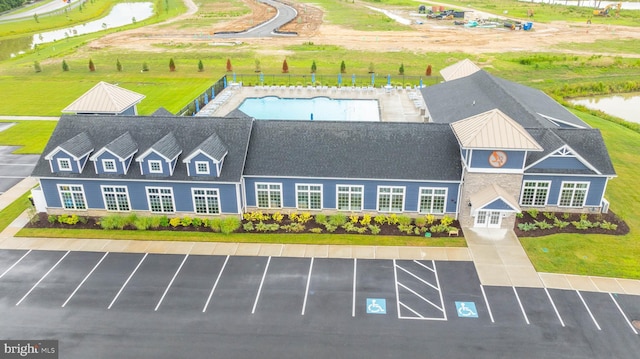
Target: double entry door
x,y
488,219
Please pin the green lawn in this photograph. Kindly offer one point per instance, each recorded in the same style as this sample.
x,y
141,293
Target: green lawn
x,y
300,238
12,211
600,255
32,136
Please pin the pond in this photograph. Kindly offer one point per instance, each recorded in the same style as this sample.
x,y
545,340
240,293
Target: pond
x,y
624,106
592,4
122,14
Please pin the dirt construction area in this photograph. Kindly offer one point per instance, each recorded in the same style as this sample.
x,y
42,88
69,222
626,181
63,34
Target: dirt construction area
x,y
430,35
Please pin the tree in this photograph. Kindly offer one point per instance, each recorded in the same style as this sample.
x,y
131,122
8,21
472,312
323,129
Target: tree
x,y
172,65
35,17
371,68
145,67
92,67
313,67
258,69
118,65
401,69
428,72
229,67
285,67
36,66
65,66
200,66
343,67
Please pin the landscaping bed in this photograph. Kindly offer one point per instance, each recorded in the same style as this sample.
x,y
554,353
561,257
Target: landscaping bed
x,y
533,223
258,222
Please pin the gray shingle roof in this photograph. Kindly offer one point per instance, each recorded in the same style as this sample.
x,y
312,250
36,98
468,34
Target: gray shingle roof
x,y
77,146
167,146
480,92
146,131
123,146
375,150
212,146
161,111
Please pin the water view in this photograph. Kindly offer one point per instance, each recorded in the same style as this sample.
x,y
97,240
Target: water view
x,y
624,106
317,108
591,3
121,15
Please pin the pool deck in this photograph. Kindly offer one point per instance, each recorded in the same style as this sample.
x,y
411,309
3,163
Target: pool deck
x,y
396,105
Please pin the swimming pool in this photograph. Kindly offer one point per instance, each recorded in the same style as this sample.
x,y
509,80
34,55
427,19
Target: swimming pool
x,y
317,109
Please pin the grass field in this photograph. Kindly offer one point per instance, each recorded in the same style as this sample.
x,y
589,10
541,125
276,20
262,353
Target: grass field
x,y
12,211
32,136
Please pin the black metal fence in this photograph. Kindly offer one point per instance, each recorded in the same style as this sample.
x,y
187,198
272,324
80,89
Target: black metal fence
x,y
194,106
358,80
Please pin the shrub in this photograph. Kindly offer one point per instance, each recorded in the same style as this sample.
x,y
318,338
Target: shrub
x,y
186,221
197,222
174,222
321,218
118,65
83,220
172,65
608,225
52,219
316,230
566,215
526,227
439,228
582,224
519,215
380,219
549,215
559,223
37,67
264,227
304,217
533,213
366,220
417,231
330,227
145,67
92,67
404,220
285,67
278,217
392,219
543,224
66,219
374,229
113,222
294,227
431,219
293,217
350,227
143,223
337,219
164,221
230,224
200,66
65,66
354,218
215,224
446,221
420,222
406,228
248,227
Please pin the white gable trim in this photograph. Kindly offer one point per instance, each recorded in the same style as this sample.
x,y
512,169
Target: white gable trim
x,y
554,120
565,148
55,152
199,151
149,151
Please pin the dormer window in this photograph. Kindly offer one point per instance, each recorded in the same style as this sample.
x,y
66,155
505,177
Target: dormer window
x,y
64,164
202,168
109,165
155,166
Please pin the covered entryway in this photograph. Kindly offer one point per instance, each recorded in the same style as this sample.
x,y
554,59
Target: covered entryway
x,y
490,205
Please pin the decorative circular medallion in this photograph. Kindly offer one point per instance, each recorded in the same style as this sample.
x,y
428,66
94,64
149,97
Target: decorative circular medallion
x,y
497,159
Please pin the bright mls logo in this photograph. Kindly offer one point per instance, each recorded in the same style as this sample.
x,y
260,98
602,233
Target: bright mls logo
x,y
29,349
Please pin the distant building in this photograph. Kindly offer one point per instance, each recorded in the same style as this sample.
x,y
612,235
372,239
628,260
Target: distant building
x,y
105,99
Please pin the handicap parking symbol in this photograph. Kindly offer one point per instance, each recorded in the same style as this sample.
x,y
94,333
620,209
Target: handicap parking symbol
x,y
466,309
376,306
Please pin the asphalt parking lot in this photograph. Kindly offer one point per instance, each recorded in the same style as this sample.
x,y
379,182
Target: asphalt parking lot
x,y
159,305
13,168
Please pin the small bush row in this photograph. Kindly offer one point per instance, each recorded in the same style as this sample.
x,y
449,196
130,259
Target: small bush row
x,y
583,224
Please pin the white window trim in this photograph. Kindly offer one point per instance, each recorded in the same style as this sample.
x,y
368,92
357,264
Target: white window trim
x,y
193,200
173,198
546,199
104,165
404,193
150,162
309,191
574,192
350,193
104,198
68,160
446,195
269,192
206,163
84,196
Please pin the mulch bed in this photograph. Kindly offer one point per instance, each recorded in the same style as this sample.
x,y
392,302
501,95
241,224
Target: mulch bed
x,y
622,229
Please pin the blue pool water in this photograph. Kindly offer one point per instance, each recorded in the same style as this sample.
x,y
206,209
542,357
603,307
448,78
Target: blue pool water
x,y
317,108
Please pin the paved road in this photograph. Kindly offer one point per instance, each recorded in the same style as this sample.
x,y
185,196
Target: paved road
x,y
120,305
284,14
47,7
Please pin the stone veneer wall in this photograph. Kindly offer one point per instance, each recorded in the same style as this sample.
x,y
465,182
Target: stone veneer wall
x,y
475,182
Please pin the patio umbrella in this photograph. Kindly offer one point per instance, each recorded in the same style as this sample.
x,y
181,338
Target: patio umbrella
x,y
373,79
234,77
261,78
224,82
388,79
339,79
197,106
353,80
206,98
313,78
421,82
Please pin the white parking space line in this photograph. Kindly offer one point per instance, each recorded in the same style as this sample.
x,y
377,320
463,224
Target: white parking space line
x,y
487,303
444,312
43,277
84,280
421,297
588,310
554,306
127,281
411,310
353,305
435,286
395,278
14,264
526,319
215,285
255,303
418,278
624,315
171,282
306,293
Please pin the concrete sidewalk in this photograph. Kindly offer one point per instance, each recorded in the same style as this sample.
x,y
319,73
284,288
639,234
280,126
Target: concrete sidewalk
x,y
498,256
